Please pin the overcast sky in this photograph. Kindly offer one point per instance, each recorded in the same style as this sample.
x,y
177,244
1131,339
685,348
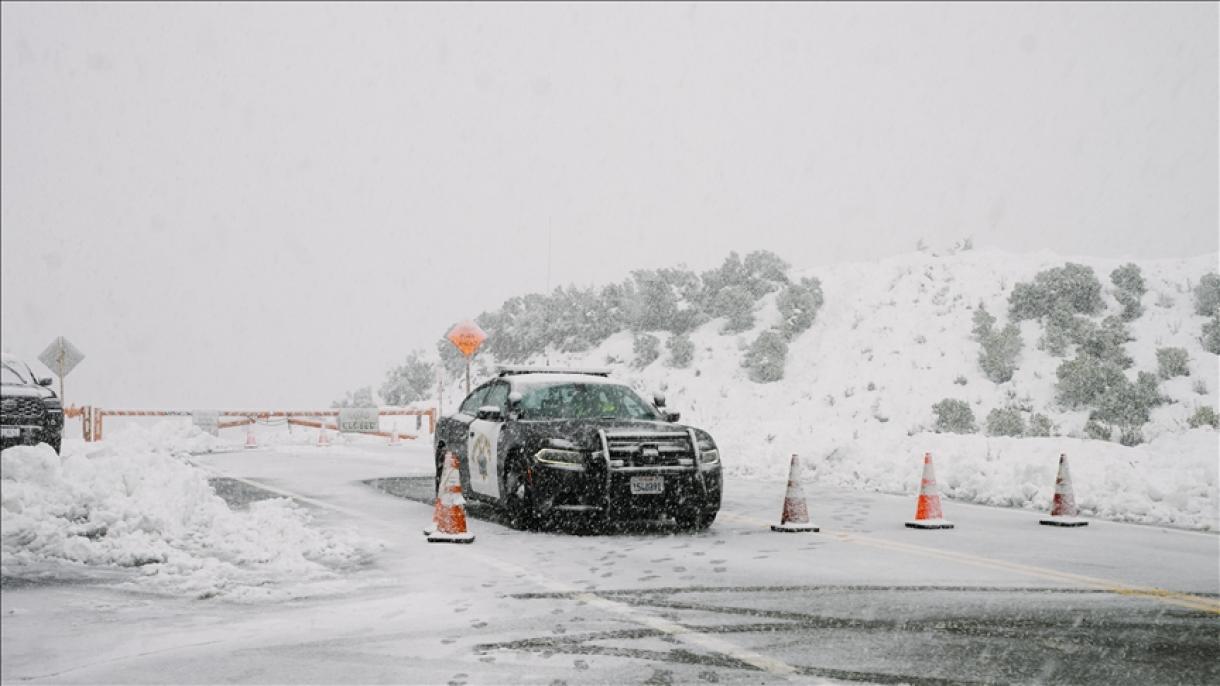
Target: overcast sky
x,y
248,206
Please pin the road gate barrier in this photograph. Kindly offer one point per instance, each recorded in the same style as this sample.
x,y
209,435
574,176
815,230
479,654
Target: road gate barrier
x,y
92,418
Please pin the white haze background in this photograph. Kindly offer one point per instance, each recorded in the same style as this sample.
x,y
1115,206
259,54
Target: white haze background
x,y
267,205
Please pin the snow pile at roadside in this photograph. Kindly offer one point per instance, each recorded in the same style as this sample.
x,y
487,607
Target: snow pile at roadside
x,y
1171,480
134,504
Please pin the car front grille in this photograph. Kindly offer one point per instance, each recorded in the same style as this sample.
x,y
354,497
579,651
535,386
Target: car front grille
x,y
21,411
650,449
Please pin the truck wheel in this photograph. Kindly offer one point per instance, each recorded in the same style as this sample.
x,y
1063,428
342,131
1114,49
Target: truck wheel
x,y
696,519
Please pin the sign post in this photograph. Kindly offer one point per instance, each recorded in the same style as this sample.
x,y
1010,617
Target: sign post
x,y
467,337
61,357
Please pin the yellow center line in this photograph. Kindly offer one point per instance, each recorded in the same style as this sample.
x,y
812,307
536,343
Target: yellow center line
x,y
1187,600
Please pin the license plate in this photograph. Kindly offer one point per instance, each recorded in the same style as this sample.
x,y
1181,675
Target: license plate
x,y
647,485
9,432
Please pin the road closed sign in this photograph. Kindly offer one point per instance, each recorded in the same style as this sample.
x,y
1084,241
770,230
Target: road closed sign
x,y
358,420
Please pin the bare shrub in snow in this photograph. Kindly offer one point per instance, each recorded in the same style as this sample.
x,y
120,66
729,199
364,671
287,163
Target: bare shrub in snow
x,y
1199,386
765,357
737,305
1130,287
960,380
1072,285
1207,295
647,349
798,305
1164,300
760,273
361,397
1211,334
409,381
1171,362
998,358
1097,430
1005,422
1040,425
1084,378
1106,342
681,350
1131,436
1204,416
954,416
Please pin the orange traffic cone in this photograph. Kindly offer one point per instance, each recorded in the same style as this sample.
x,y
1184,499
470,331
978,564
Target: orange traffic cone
x,y
436,517
251,441
323,439
927,509
1063,509
795,516
451,512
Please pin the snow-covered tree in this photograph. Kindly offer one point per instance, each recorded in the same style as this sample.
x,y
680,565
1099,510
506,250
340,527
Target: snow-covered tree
x,y
765,357
798,305
1171,362
737,305
1072,285
646,348
1005,421
681,350
1130,287
361,397
1207,295
954,416
409,381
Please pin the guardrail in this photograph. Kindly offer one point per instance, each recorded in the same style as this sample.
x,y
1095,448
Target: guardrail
x,y
92,418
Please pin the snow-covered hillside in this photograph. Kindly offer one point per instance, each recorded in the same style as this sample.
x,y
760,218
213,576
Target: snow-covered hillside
x,y
893,338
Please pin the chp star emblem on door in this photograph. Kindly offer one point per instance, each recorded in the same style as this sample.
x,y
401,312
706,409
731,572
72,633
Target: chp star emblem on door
x,y
481,452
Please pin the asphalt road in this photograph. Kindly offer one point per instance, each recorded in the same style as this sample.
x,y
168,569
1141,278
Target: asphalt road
x,y
999,599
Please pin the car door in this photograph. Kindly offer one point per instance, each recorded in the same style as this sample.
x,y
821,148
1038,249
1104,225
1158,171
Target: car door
x,y
459,426
483,447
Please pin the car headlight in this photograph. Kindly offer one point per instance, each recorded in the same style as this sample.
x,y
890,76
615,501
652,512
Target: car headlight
x,y
708,455
557,456
53,405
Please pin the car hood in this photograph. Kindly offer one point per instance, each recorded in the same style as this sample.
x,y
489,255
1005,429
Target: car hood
x,y
584,432
19,391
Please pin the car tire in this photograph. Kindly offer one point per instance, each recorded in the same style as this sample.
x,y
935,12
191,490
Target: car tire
x,y
519,495
697,519
440,469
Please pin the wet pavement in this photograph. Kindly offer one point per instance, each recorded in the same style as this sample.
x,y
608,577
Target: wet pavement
x,y
997,600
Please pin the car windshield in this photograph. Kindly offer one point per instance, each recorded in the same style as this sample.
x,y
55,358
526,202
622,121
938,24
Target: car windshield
x,y
584,401
10,374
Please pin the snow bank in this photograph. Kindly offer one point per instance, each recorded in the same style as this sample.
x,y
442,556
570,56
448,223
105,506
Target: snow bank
x,y
1171,480
135,504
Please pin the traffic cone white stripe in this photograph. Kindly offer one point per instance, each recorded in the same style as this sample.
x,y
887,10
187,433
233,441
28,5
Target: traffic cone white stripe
x,y
795,515
1063,505
928,514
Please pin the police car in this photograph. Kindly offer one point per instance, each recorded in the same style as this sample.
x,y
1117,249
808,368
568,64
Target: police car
x,y
545,442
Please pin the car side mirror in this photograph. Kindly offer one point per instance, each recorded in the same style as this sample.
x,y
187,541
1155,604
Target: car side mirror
x,y
671,416
44,381
490,413
658,399
514,405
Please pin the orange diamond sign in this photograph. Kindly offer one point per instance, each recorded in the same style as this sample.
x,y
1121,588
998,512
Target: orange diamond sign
x,y
467,337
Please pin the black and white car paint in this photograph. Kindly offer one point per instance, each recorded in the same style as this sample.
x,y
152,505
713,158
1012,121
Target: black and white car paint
x,y
545,444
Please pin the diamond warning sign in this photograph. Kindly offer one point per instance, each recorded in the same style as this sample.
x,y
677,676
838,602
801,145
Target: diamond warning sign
x,y
467,337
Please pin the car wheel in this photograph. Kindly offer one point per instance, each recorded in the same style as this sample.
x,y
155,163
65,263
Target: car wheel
x,y
519,495
440,469
697,519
